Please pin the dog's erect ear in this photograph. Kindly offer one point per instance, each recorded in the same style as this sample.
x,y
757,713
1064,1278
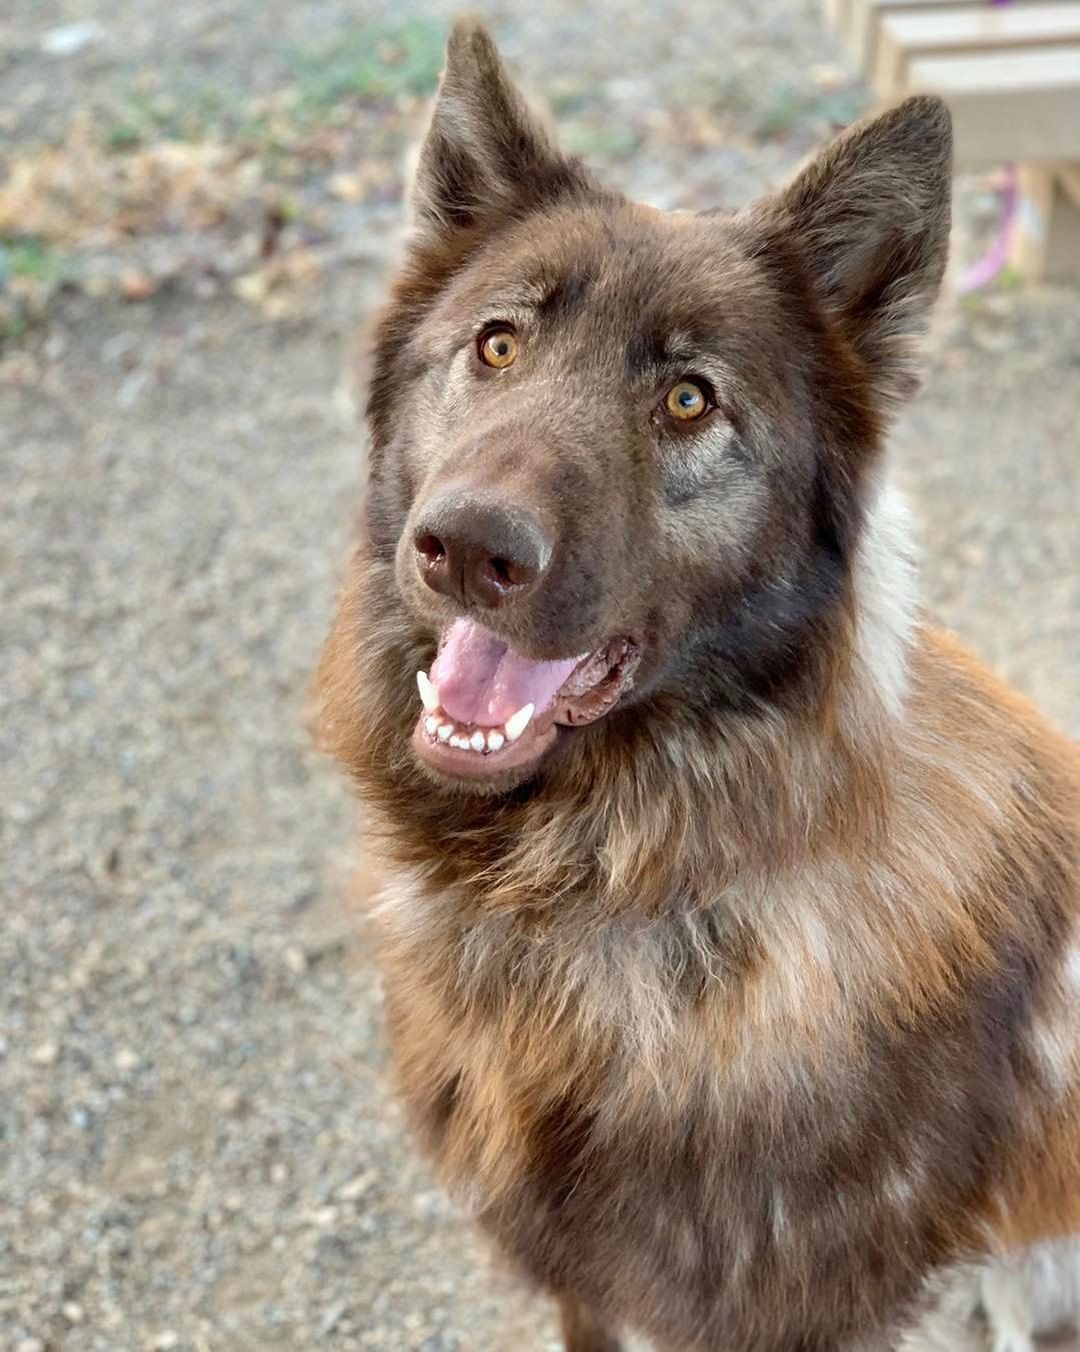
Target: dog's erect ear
x,y
486,157
871,218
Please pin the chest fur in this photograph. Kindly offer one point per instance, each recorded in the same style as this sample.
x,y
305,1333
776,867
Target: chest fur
x,y
651,1110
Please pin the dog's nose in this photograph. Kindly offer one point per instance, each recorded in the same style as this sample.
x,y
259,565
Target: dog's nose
x,y
480,551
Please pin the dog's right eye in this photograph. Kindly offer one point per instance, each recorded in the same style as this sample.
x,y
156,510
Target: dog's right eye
x,y
497,347
687,401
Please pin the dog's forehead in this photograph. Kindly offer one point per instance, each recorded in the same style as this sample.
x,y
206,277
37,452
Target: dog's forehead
x,y
631,270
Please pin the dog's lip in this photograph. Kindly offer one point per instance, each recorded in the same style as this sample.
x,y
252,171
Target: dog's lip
x,y
592,689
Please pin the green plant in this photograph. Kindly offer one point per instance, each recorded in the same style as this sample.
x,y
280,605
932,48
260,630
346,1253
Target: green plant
x,y
31,259
373,63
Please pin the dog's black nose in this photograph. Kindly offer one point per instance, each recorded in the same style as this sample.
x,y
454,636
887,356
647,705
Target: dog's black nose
x,y
478,550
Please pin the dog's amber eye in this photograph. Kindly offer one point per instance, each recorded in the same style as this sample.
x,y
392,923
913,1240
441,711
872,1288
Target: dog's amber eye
x,y
686,401
498,348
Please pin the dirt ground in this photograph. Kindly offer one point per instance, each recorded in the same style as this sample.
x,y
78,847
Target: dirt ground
x,y
198,204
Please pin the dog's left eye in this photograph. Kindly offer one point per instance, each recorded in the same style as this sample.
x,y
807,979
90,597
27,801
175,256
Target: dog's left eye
x,y
686,401
498,347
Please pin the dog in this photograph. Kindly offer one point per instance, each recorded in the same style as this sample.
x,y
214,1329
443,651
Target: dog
x,y
731,923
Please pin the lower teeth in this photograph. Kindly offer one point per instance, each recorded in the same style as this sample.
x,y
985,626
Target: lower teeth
x,y
453,735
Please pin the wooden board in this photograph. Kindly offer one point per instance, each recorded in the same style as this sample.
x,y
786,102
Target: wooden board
x,y
1046,241
836,13
860,22
1069,178
905,37
1022,106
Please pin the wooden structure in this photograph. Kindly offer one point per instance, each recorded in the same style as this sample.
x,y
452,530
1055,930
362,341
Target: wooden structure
x,y
1010,73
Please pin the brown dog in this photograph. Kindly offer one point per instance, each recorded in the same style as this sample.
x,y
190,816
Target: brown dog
x,y
731,939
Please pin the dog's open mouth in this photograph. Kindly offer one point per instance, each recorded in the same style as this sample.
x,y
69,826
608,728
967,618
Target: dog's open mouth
x,y
488,710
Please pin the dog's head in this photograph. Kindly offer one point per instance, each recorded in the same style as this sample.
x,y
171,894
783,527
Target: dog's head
x,y
618,453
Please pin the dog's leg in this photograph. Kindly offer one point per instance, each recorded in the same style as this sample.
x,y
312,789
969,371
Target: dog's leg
x,y
582,1331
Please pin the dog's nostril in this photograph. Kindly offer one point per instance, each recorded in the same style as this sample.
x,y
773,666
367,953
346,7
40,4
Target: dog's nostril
x,y
430,548
506,574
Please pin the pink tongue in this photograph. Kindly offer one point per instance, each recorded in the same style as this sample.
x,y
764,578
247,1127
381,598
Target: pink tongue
x,y
481,680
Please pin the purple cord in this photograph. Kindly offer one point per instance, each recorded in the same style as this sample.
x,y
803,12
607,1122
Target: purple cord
x,y
984,270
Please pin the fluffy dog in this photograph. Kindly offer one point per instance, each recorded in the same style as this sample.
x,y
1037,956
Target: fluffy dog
x,y
730,931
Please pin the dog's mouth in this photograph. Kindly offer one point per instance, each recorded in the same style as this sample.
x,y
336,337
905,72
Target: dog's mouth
x,y
488,710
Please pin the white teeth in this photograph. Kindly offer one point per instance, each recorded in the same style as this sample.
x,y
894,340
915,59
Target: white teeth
x,y
494,739
428,694
517,723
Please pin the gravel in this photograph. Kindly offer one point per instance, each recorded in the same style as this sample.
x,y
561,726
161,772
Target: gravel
x,y
200,1143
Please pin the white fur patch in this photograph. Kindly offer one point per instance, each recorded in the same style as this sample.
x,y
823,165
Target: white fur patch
x,y
885,590
1031,1293
1054,1037
1072,972
779,1216
1054,1047
948,1323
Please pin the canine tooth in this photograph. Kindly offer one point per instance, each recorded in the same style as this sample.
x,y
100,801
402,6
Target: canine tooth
x,y
476,741
495,741
462,743
516,724
445,729
428,694
431,725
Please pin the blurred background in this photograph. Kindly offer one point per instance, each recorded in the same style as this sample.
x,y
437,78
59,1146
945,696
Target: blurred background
x,y
199,204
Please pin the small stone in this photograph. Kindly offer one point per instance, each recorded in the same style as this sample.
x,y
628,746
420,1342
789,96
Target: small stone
x,y
136,286
325,1216
30,1345
165,1340
229,1101
45,1054
279,1172
71,38
346,187
125,1060
72,1311
295,961
356,1187
331,1318
252,287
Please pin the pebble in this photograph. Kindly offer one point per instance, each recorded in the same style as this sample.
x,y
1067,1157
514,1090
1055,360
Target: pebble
x,y
356,1187
71,38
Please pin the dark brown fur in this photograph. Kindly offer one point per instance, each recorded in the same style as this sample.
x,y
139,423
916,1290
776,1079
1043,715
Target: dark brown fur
x,y
738,1021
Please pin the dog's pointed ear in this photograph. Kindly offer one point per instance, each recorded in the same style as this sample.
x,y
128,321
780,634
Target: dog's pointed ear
x,y
870,218
485,157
